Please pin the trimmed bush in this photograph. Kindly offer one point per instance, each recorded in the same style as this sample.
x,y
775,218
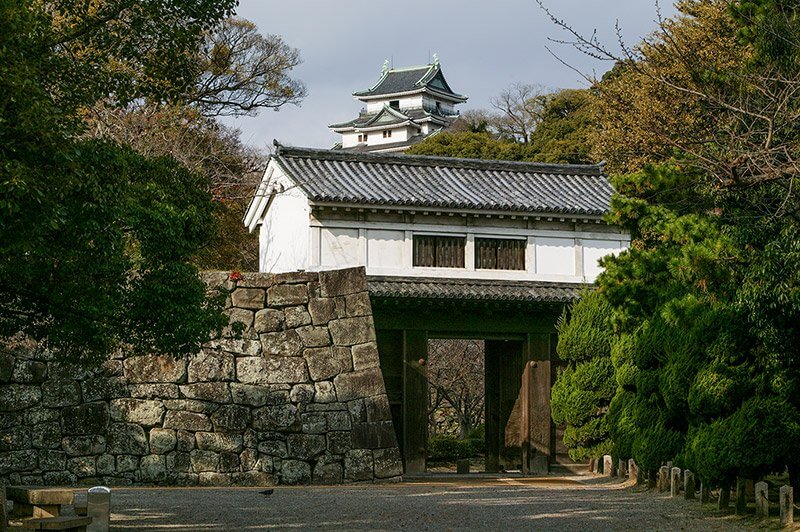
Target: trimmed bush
x,y
443,448
656,445
584,333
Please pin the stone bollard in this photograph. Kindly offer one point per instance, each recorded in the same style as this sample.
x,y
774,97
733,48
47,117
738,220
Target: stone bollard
x,y
741,496
762,500
663,478
608,466
675,482
622,468
633,471
462,466
688,485
724,497
786,502
705,493
98,507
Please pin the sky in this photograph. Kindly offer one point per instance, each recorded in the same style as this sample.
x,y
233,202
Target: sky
x,y
484,47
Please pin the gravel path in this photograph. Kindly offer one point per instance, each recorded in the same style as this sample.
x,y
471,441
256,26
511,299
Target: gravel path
x,y
503,504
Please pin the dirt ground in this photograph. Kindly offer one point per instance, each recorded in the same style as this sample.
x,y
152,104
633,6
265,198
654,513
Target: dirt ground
x,y
474,503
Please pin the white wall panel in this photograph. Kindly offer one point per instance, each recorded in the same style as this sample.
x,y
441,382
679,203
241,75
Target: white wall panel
x,y
385,248
340,248
593,251
555,256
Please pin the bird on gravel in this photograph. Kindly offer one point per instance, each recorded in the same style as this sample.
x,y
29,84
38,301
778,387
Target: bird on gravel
x,y
266,493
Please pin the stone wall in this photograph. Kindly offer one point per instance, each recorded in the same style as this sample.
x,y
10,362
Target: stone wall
x,y
297,397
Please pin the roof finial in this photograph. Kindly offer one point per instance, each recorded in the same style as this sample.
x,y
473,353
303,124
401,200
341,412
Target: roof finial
x,y
385,68
436,59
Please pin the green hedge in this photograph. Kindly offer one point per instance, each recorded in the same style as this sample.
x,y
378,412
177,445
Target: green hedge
x,y
442,448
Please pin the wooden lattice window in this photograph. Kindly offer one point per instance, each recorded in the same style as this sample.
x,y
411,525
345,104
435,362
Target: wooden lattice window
x,y
439,251
499,254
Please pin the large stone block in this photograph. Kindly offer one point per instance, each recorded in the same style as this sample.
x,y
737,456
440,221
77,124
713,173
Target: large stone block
x,y
30,371
15,439
305,446
127,463
377,408
328,473
358,384
58,393
179,462
50,460
90,418
238,319
18,461
250,394
219,442
104,388
327,362
365,356
357,305
295,472
278,417
162,441
126,438
296,316
18,397
46,435
343,282
154,391
311,336
339,442
377,435
153,468
314,423
388,463
237,346
83,466
190,421
302,393
283,343
287,295
231,418
155,368
324,392
211,366
204,460
191,405
215,392
322,310
274,448
83,445
358,465
269,320
272,370
145,412
352,331
7,361
248,298
338,420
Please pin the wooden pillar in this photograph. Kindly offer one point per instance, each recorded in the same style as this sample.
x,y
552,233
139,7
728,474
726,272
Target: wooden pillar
x,y
415,401
492,407
539,404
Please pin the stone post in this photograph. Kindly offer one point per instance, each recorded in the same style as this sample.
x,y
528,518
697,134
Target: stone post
x,y
705,493
633,471
3,511
622,468
786,502
741,496
663,478
462,466
762,502
675,482
724,497
591,465
608,466
98,507
688,485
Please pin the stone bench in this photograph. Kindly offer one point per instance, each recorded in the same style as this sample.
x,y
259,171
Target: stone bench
x,y
68,523
30,501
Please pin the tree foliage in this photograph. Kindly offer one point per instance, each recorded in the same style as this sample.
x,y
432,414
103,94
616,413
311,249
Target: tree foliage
x,y
96,238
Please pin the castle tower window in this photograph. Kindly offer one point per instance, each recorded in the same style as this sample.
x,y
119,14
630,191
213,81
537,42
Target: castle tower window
x,y
500,254
394,104
387,133
439,251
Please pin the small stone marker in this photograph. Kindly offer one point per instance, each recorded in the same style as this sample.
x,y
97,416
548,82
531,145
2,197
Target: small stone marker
x,y
608,466
705,493
462,466
688,485
786,502
98,507
675,482
669,465
622,468
724,497
741,496
633,470
762,502
663,479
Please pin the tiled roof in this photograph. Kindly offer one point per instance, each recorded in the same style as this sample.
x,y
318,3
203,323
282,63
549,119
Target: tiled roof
x,y
339,176
473,290
395,81
389,116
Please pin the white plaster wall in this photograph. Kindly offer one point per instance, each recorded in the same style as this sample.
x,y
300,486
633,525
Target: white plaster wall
x,y
399,134
349,140
285,233
406,102
386,248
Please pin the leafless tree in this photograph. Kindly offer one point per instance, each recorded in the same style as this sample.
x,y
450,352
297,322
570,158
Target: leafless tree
x,y
455,371
519,110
